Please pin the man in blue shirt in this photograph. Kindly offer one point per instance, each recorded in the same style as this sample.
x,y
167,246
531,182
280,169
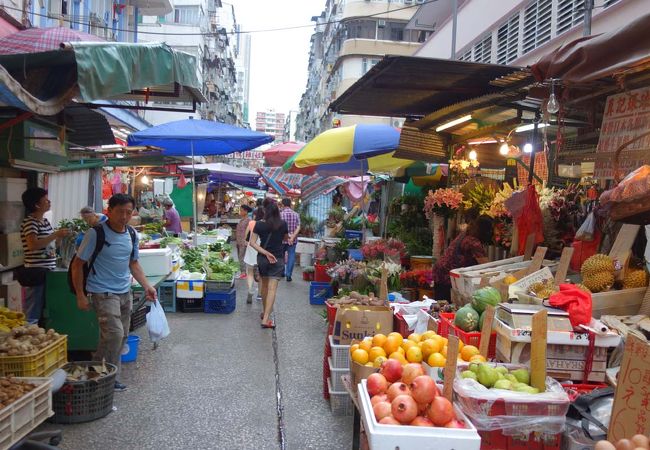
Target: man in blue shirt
x,y
108,285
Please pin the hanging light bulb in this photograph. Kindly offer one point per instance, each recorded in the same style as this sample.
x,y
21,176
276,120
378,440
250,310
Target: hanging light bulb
x,y
145,179
553,105
504,149
473,155
528,148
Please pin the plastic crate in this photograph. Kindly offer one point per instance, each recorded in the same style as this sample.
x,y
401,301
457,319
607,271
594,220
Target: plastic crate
x,y
219,286
335,376
354,234
340,356
139,317
19,418
319,292
167,296
220,302
355,253
575,390
320,273
188,305
340,402
331,313
469,338
40,364
84,401
400,325
443,325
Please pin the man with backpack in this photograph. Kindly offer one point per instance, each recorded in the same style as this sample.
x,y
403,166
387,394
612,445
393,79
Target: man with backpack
x,y
101,276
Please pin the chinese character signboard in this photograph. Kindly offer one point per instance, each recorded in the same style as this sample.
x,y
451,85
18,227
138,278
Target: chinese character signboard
x,y
626,116
631,412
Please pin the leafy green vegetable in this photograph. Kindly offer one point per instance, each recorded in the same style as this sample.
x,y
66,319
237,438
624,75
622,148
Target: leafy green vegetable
x,y
193,260
164,242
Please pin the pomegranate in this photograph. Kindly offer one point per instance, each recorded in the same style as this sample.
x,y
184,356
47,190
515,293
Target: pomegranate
x,y
455,423
440,411
389,420
391,369
423,389
396,389
377,384
420,421
411,371
378,398
381,410
422,408
404,409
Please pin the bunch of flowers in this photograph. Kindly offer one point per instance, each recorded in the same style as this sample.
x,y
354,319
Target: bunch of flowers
x,y
373,274
443,202
378,249
503,234
498,208
461,165
347,271
416,278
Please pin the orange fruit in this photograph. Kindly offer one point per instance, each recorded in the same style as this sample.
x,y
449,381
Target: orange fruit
x,y
360,356
445,340
376,352
398,336
408,344
392,344
401,351
353,347
428,335
369,364
477,359
378,340
437,360
429,347
468,351
379,361
398,356
415,337
443,352
414,354
366,344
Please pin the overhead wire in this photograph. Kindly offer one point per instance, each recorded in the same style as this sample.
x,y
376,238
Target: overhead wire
x,y
214,33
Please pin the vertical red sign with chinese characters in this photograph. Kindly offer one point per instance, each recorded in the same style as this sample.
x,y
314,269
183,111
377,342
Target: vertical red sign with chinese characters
x,y
626,116
631,411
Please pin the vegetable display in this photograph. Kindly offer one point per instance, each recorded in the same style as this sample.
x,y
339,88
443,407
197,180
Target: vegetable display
x,y
220,270
10,319
484,297
164,242
12,389
467,318
27,340
193,258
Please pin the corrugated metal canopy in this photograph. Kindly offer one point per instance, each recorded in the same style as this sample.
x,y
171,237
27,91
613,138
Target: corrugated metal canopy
x,y
87,128
401,86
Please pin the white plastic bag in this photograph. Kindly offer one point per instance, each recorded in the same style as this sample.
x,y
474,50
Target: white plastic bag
x,y
587,229
157,323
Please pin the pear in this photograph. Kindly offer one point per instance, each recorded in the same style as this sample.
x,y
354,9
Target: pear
x,y
503,384
487,375
502,370
520,387
510,377
469,374
501,376
522,375
474,367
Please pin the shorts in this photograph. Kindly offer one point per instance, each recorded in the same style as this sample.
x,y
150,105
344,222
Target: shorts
x,y
268,270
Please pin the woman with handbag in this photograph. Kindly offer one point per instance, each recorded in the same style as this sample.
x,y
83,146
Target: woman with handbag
x,y
250,254
271,232
38,239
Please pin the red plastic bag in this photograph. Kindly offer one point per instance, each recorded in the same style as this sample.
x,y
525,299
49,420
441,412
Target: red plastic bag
x,y
531,222
583,250
575,301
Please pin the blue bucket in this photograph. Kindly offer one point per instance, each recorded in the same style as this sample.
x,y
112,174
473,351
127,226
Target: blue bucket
x,y
130,349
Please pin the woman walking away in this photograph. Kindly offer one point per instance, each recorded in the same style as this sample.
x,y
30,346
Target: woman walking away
x,y
250,254
270,259
240,235
468,249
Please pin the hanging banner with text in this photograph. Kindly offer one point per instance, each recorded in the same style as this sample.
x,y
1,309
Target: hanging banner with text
x,y
626,116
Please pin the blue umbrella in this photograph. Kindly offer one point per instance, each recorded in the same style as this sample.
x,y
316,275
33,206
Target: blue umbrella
x,y
192,137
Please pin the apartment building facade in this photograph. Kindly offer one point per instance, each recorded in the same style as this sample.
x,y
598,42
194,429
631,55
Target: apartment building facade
x,y
271,122
350,37
243,67
205,29
515,32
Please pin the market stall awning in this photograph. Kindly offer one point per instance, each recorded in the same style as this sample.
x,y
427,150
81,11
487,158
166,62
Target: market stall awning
x,y
225,173
401,86
593,57
89,71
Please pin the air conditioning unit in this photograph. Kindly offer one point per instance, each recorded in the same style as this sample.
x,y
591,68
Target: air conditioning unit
x,y
381,24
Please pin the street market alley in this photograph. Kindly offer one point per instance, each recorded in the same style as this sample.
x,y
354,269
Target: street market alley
x,y
212,385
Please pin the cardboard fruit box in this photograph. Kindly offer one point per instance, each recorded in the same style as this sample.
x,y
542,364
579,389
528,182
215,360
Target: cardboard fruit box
x,y
357,322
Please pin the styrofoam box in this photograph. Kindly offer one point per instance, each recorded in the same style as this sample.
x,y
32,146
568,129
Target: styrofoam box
x,y
555,337
11,189
190,288
390,437
156,261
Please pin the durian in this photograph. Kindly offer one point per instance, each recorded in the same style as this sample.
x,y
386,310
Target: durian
x,y
596,264
599,282
635,278
582,287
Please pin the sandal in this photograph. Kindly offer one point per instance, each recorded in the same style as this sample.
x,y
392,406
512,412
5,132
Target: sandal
x,y
268,324
261,316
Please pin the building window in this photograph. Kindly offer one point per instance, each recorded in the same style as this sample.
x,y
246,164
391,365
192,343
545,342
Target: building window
x,y
483,49
367,64
508,40
537,24
184,15
609,3
390,31
569,14
467,56
361,29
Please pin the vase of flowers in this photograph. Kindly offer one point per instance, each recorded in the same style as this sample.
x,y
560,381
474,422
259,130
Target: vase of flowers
x,y
439,205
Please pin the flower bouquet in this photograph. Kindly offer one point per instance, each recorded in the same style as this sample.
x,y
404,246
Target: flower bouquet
x,y
373,274
382,249
443,202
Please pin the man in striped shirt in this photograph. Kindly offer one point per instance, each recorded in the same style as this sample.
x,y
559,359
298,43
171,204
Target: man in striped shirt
x,y
292,219
38,239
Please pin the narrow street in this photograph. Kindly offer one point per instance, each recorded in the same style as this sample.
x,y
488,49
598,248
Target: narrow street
x,y
212,385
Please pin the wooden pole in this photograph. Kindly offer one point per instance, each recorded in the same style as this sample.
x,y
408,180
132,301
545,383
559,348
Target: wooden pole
x,y
538,351
450,367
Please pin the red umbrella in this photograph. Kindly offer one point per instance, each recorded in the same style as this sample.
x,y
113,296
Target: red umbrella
x,y
278,154
34,40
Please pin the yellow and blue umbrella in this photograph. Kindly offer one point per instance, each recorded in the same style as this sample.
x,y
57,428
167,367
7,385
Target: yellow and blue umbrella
x,y
352,150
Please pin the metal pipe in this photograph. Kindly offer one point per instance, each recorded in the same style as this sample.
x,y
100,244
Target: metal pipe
x,y
589,6
531,171
454,27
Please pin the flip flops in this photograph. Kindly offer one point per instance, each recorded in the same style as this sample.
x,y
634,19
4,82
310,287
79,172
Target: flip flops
x,y
268,324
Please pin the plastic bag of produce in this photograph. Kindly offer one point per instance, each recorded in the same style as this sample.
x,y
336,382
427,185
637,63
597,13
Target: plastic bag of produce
x,y
157,323
587,229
